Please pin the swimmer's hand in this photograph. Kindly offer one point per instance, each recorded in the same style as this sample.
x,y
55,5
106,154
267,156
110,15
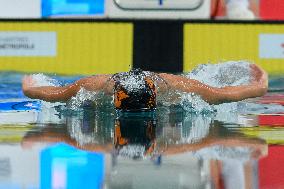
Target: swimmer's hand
x,y
27,82
259,76
257,87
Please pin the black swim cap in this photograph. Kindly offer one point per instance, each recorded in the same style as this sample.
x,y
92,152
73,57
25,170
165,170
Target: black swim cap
x,y
134,91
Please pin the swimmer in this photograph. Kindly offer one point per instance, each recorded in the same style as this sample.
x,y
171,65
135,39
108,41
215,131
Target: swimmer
x,y
144,88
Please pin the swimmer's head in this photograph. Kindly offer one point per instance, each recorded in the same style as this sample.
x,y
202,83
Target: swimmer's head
x,y
134,91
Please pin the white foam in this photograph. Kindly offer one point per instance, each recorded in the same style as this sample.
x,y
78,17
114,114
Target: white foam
x,y
194,103
82,96
231,73
133,82
44,80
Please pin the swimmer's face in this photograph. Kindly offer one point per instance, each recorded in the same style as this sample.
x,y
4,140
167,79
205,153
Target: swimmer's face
x,y
134,92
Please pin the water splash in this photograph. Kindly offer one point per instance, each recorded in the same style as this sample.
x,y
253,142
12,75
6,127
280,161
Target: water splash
x,y
231,73
132,81
194,103
82,96
190,102
44,80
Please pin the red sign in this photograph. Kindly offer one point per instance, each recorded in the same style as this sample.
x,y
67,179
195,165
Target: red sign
x,y
271,172
272,9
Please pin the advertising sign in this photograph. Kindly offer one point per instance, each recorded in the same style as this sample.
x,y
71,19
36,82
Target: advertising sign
x,y
28,43
271,46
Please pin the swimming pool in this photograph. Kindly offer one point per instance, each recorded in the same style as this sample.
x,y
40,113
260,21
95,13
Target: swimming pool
x,y
237,145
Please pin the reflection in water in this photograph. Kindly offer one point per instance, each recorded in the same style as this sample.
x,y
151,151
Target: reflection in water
x,y
63,166
135,134
5,168
165,149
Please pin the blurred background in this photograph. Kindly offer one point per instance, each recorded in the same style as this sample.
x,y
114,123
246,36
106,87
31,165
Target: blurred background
x,y
108,36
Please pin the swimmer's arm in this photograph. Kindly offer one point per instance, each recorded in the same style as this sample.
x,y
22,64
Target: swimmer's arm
x,y
64,93
180,83
257,87
50,93
258,147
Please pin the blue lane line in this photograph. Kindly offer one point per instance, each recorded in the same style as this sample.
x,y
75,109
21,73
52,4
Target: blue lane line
x,y
161,2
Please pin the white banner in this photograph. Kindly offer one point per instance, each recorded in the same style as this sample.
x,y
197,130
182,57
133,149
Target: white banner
x,y
28,44
271,46
20,8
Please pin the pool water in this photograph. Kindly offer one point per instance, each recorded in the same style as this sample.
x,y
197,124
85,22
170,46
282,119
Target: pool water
x,y
237,145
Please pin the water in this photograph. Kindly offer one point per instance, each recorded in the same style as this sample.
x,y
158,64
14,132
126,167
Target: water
x,y
184,144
